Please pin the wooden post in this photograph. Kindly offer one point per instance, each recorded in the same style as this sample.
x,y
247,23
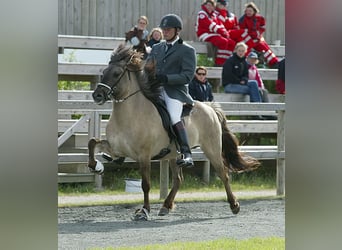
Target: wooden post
x,y
94,131
164,179
281,148
206,172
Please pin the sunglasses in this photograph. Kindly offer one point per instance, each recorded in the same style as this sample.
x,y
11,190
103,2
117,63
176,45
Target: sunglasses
x,y
201,74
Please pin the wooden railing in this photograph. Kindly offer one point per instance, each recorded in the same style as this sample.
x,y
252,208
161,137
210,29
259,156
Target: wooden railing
x,y
91,125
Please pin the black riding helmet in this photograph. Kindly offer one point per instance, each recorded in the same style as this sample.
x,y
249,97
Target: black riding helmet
x,y
171,21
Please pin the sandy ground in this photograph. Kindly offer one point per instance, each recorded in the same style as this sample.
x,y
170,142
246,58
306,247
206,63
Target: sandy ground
x,y
103,226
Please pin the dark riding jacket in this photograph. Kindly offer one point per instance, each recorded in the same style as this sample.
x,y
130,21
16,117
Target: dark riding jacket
x,y
178,64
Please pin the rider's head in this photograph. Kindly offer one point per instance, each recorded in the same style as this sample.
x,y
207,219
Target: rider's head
x,y
171,25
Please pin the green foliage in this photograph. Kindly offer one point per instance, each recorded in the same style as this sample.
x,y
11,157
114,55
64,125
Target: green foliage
x,y
203,60
73,85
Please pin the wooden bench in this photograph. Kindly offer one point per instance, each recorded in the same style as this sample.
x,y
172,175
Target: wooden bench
x,y
110,43
91,72
90,125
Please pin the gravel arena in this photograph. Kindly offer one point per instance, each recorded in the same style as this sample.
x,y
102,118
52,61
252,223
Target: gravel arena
x,y
84,227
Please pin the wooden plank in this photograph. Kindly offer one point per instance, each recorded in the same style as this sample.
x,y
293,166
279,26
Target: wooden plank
x,y
218,97
89,42
110,43
84,16
75,177
259,152
71,130
95,69
236,126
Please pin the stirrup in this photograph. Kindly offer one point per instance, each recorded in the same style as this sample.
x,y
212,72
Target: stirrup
x,y
185,162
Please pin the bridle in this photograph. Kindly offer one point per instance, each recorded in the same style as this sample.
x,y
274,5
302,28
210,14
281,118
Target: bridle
x,y
111,89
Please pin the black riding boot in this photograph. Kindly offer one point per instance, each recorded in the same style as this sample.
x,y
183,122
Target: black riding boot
x,y
182,138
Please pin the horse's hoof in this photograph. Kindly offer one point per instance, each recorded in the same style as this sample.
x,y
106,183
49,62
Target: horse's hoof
x,y
99,168
235,208
163,211
141,215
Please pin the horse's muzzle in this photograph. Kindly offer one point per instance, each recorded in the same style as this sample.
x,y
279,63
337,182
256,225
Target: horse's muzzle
x,y
99,96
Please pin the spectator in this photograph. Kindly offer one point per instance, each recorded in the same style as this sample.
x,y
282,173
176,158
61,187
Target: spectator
x,y
235,75
255,24
199,88
210,29
280,83
155,36
175,67
253,74
137,36
231,24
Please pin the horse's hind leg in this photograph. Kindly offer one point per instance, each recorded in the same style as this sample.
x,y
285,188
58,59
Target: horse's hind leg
x,y
177,179
104,146
222,171
223,174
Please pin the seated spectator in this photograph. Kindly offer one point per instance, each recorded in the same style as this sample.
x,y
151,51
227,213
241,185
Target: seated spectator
x,y
210,29
154,37
137,36
253,74
255,25
231,24
199,88
235,75
280,83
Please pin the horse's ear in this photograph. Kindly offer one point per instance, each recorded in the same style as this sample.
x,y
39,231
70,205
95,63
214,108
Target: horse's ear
x,y
150,66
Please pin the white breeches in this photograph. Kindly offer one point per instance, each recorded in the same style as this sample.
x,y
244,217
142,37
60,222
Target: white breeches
x,y
174,107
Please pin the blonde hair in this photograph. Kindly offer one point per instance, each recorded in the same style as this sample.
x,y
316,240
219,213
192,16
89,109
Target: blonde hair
x,y
156,30
143,18
240,44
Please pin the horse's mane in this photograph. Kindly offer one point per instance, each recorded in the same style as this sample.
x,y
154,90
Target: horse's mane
x,y
145,70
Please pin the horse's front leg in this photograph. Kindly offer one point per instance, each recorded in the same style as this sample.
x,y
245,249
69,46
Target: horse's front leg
x,y
102,145
145,170
177,179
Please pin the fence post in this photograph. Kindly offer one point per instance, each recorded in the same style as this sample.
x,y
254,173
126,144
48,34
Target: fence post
x,y
206,171
94,130
281,148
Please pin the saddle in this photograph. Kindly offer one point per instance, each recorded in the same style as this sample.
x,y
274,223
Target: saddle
x,y
166,120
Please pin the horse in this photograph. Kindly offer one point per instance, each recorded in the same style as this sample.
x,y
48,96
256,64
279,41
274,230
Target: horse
x,y
135,129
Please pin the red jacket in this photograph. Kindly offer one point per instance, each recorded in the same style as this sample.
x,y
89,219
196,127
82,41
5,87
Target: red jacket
x,y
228,19
255,24
208,25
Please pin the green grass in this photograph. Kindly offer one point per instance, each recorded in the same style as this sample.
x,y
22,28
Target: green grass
x,y
113,182
272,243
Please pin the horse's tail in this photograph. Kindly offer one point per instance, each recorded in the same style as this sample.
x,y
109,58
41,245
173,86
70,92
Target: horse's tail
x,y
235,161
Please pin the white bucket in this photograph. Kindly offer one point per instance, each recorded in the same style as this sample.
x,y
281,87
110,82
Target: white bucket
x,y
133,185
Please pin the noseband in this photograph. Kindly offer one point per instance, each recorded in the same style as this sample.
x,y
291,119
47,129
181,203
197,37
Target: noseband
x,y
112,88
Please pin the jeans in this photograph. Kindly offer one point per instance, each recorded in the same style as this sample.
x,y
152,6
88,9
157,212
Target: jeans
x,y
251,89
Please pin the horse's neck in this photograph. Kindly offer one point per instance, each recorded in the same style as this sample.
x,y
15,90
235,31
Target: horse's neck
x,y
135,105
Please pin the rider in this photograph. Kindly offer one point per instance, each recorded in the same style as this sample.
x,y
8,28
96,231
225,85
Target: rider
x,y
175,68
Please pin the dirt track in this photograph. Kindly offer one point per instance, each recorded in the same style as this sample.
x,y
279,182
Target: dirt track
x,y
104,226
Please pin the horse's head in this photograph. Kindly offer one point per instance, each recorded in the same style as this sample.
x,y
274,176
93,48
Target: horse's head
x,y
114,82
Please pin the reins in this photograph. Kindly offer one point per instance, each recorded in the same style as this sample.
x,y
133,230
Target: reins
x,y
112,88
